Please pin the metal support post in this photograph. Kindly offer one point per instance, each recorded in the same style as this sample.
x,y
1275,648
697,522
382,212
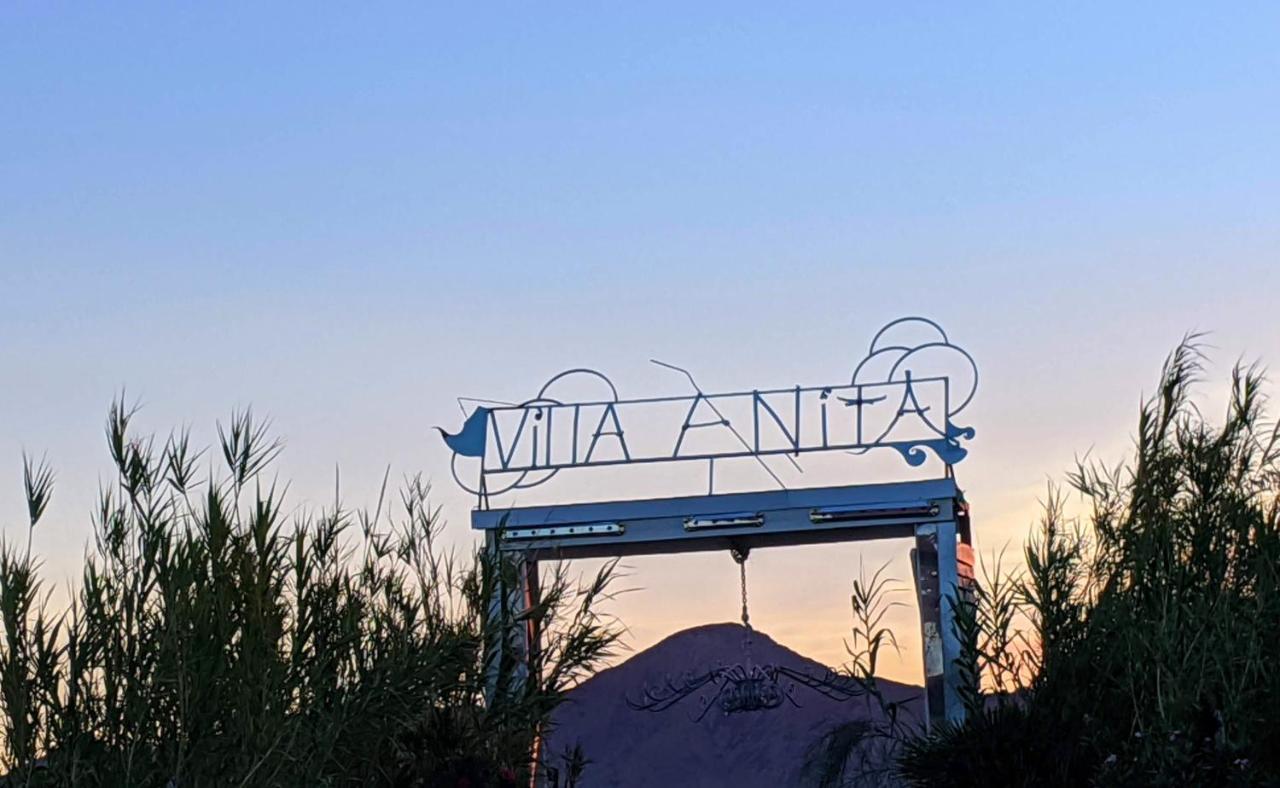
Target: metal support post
x,y
936,569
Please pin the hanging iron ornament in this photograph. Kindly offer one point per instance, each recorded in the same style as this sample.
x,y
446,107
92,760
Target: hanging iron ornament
x,y
743,687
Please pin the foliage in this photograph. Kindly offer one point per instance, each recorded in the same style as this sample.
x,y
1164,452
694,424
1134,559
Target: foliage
x,y
215,640
1151,654
862,752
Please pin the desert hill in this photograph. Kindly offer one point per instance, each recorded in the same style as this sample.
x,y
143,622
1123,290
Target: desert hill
x,y
763,749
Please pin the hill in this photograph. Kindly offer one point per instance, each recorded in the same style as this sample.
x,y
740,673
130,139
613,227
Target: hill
x,y
763,749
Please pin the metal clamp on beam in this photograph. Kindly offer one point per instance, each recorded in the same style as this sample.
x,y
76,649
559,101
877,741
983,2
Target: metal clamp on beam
x,y
561,531
730,520
873,511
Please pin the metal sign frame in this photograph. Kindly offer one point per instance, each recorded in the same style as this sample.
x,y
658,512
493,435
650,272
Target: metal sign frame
x,y
887,404
931,511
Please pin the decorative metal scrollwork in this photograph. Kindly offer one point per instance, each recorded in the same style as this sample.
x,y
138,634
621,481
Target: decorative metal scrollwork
x,y
896,398
744,688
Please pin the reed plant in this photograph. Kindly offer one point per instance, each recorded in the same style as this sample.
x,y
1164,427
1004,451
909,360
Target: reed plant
x,y
1141,643
219,638
862,752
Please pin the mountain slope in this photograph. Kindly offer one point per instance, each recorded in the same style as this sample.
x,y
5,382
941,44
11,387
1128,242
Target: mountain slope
x,y
765,748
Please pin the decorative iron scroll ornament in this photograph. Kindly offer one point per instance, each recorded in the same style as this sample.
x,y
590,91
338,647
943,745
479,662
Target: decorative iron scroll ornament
x,y
895,399
744,688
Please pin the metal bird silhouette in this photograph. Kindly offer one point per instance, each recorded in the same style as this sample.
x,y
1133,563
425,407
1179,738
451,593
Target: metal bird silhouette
x,y
470,440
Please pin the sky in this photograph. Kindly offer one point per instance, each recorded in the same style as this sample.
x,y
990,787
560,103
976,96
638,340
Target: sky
x,y
348,217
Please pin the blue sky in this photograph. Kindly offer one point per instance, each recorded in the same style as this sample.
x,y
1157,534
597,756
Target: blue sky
x,y
348,217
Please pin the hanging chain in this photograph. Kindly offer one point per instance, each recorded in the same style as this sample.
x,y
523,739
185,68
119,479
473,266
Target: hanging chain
x,y
740,556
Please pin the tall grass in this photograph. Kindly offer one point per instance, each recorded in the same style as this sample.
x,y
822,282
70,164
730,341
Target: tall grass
x,y
862,753
214,640
1150,653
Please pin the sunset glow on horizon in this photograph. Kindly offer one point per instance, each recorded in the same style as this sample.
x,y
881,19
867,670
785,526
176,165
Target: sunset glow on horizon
x,y
349,224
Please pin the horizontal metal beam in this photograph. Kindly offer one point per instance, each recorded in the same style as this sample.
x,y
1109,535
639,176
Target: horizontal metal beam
x,y
718,522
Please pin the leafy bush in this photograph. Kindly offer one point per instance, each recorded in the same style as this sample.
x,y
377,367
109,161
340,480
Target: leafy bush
x,y
1152,655
215,640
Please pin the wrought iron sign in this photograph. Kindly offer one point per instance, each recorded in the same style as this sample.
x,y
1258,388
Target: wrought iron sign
x,y
895,399
904,397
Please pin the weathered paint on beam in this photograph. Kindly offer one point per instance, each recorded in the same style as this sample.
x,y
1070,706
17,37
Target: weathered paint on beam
x,y
659,526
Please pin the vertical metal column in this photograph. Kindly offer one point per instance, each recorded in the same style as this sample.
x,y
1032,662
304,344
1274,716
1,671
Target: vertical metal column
x,y
531,651
935,567
517,646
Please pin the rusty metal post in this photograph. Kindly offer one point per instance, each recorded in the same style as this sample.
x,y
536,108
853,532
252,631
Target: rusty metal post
x,y
936,568
520,644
